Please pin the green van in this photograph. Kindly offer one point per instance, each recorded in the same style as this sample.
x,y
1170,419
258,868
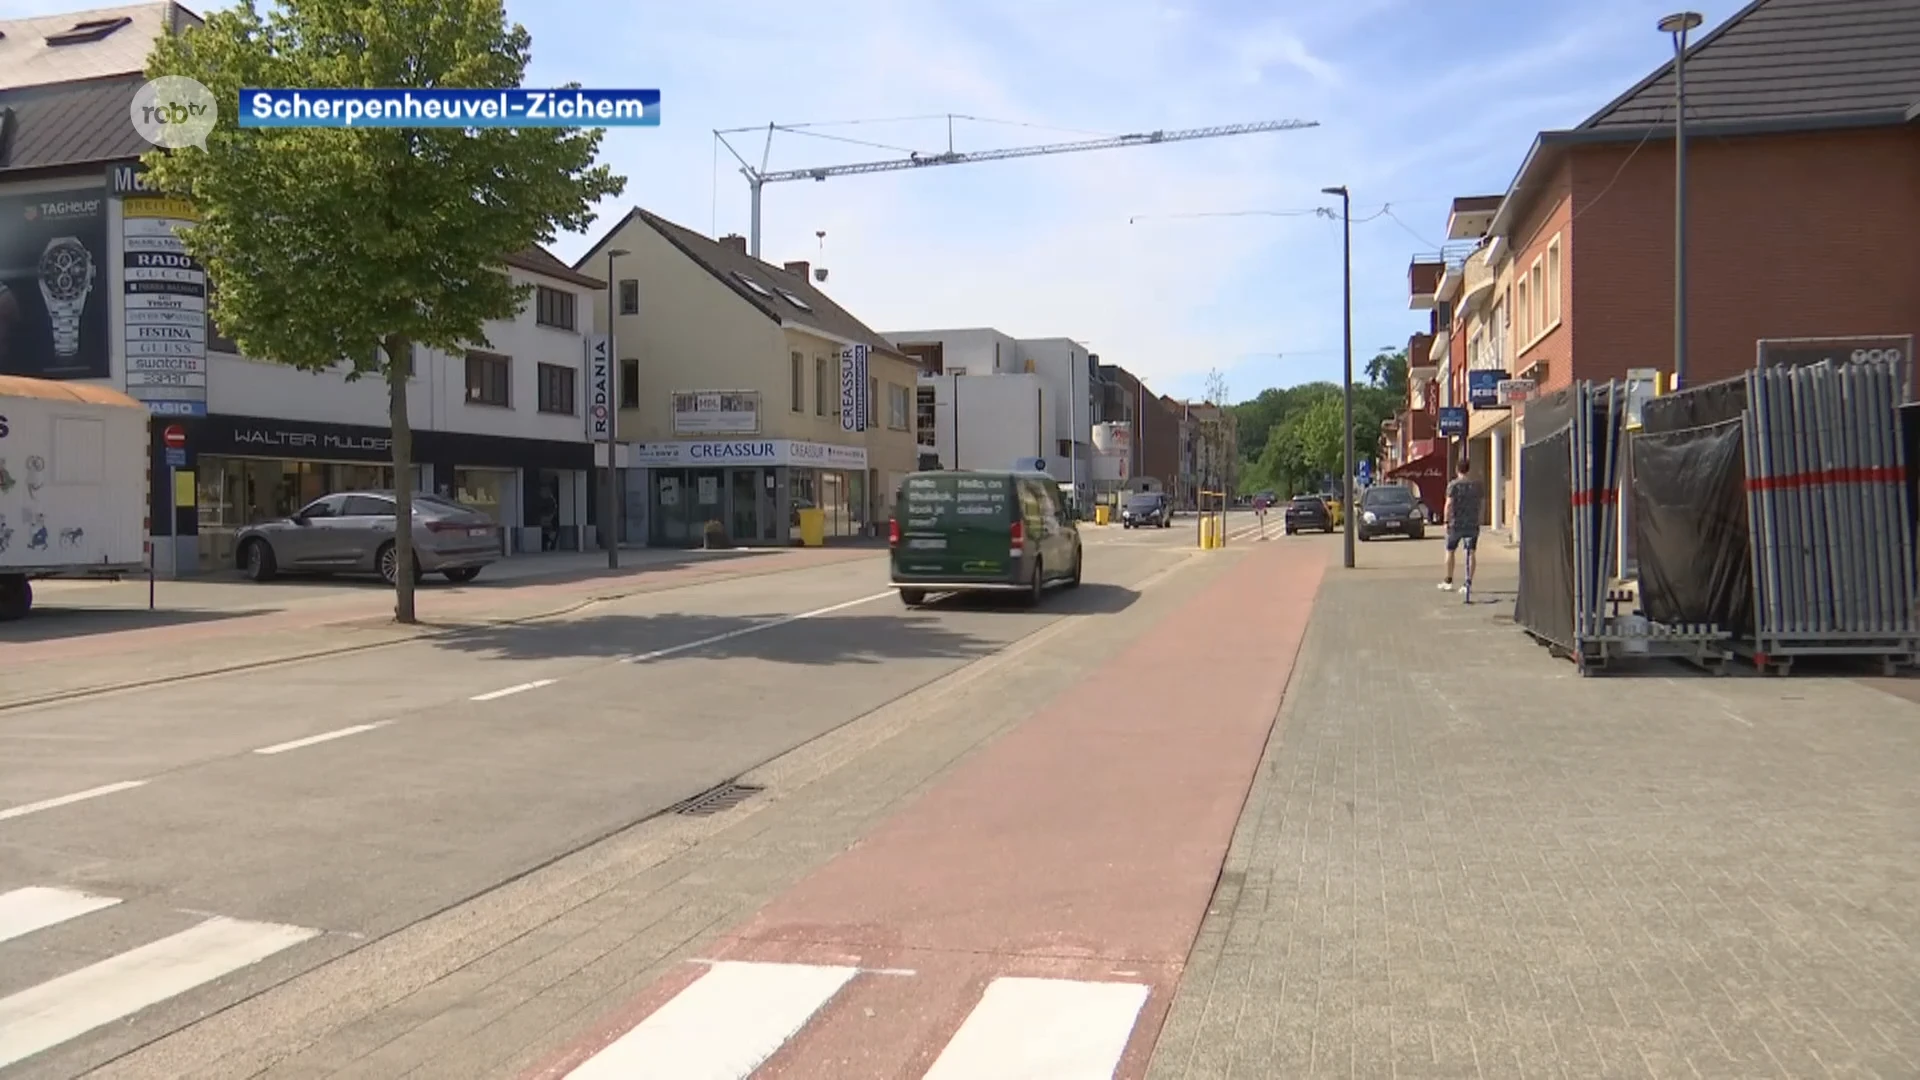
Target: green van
x,y
981,531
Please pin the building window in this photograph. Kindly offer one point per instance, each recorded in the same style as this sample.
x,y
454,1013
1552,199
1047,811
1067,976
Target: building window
x,y
629,297
556,389
629,383
1537,297
489,379
797,375
923,408
898,414
1553,282
873,402
553,307
1521,312
823,381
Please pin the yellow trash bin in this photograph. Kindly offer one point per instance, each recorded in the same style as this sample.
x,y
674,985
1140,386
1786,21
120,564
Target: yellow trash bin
x,y
1102,514
813,527
1207,536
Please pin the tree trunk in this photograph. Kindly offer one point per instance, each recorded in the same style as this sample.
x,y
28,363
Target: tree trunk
x,y
399,352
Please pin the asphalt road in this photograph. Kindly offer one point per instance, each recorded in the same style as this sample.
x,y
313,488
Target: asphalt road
x,y
280,818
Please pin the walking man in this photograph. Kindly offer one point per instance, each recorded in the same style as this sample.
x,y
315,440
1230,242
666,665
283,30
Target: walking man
x,y
1464,500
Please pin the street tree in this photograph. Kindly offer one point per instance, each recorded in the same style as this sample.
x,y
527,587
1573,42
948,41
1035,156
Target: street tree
x,y
342,250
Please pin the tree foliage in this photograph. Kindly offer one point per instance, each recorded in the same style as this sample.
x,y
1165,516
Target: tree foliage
x,y
341,250
1291,437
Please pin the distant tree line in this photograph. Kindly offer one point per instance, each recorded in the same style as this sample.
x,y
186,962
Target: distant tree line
x,y
1290,438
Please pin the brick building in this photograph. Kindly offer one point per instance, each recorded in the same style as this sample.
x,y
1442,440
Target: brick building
x,y
1803,150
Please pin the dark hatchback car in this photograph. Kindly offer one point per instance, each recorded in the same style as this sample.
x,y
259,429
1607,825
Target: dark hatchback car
x,y
1308,512
1147,510
1391,510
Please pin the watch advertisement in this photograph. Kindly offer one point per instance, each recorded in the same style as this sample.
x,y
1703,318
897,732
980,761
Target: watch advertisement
x,y
166,307
53,296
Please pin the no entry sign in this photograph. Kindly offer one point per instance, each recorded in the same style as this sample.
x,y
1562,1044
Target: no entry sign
x,y
175,437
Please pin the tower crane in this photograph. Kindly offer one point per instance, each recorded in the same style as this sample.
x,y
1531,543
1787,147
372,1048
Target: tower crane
x,y
759,178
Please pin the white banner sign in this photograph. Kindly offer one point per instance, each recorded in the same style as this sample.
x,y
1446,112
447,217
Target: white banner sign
x,y
716,412
749,452
1513,391
599,389
853,388
163,308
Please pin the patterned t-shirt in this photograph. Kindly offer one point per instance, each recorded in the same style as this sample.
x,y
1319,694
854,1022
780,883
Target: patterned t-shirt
x,y
1466,498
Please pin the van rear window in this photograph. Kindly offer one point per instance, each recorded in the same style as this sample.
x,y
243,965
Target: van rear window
x,y
954,501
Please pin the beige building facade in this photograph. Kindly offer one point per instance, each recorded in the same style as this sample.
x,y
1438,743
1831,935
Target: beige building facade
x,y
740,396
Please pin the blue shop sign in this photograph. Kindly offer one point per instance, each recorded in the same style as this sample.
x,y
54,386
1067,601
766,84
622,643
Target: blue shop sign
x,y
1453,420
1483,388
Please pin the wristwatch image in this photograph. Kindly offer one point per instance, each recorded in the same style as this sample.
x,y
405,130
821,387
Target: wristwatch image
x,y
66,276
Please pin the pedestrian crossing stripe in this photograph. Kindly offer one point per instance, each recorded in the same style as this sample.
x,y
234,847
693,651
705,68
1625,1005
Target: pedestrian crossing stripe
x,y
61,1009
738,1014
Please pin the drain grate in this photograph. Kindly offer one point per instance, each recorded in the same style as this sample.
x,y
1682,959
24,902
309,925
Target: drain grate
x,y
716,800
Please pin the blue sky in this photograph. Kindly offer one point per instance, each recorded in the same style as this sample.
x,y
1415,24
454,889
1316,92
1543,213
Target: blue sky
x,y
1417,102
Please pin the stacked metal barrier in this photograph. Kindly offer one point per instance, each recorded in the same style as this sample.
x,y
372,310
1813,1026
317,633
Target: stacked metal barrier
x,y
1833,543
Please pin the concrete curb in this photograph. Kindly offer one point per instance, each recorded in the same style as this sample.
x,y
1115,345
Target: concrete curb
x,y
432,635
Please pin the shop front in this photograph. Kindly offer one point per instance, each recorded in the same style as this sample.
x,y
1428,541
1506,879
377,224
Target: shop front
x,y
1489,441
242,470
751,490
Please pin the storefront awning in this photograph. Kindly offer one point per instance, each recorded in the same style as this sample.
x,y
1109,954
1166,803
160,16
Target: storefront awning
x,y
1428,474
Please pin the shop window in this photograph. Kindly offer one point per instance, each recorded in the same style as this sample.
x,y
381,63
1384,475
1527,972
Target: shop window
x,y
629,297
823,381
629,383
556,389
798,373
489,379
553,307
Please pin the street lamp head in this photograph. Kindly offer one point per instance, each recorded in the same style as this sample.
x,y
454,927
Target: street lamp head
x,y
1681,21
614,253
1340,191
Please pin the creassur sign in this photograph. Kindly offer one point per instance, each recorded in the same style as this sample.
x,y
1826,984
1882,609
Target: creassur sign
x,y
718,452
853,388
599,389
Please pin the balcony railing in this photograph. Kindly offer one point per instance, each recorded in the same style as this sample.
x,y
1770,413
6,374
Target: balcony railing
x,y
1476,275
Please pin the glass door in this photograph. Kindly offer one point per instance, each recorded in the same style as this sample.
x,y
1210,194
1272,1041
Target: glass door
x,y
743,505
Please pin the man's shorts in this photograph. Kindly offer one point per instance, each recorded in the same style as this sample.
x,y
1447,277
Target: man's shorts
x,y
1459,537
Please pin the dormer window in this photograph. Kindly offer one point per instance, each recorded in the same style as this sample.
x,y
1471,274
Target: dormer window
x,y
795,301
83,32
752,284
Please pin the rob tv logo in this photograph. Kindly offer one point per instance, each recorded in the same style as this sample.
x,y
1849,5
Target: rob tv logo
x,y
174,111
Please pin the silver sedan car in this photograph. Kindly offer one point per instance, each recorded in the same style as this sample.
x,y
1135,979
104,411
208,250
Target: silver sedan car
x,y
352,533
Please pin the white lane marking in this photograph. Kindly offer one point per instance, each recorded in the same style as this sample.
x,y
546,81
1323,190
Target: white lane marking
x,y
57,1010
755,628
325,736
1043,1029
722,1027
511,690
63,800
35,907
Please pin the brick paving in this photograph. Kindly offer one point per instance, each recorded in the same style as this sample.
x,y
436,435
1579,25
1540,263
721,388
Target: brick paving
x,y
1462,859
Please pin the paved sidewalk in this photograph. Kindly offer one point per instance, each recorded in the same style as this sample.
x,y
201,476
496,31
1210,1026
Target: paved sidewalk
x,y
185,641
1462,859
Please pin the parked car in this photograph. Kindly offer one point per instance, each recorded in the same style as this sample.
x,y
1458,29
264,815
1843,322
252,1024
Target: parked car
x,y
1391,510
981,532
1147,510
1307,512
352,533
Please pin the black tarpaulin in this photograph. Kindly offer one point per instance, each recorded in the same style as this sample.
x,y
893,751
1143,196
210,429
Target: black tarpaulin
x,y
1545,603
1697,406
1547,414
1690,525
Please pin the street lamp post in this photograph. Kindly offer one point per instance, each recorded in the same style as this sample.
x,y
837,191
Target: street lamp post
x,y
610,484
1346,381
1677,25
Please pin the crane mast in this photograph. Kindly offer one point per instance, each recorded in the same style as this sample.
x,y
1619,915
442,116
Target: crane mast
x,y
759,178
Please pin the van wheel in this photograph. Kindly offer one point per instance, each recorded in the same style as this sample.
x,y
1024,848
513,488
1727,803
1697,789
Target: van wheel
x,y
16,598
1079,556
256,560
913,597
1036,587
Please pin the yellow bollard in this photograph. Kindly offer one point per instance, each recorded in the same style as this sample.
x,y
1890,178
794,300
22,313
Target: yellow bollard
x,y
1103,514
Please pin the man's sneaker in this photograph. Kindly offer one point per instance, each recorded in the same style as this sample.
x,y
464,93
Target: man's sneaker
x,y
1446,586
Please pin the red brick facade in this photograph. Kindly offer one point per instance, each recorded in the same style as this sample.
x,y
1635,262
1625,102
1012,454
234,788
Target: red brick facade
x,y
1812,235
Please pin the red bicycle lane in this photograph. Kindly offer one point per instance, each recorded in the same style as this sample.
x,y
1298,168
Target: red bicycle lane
x,y
1031,913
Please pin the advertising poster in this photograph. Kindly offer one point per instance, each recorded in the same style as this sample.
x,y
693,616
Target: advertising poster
x,y
716,412
53,276
853,388
165,297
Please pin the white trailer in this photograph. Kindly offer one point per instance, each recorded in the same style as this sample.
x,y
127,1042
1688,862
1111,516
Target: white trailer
x,y
73,485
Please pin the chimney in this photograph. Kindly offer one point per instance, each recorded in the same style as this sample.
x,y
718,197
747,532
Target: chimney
x,y
798,267
735,241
